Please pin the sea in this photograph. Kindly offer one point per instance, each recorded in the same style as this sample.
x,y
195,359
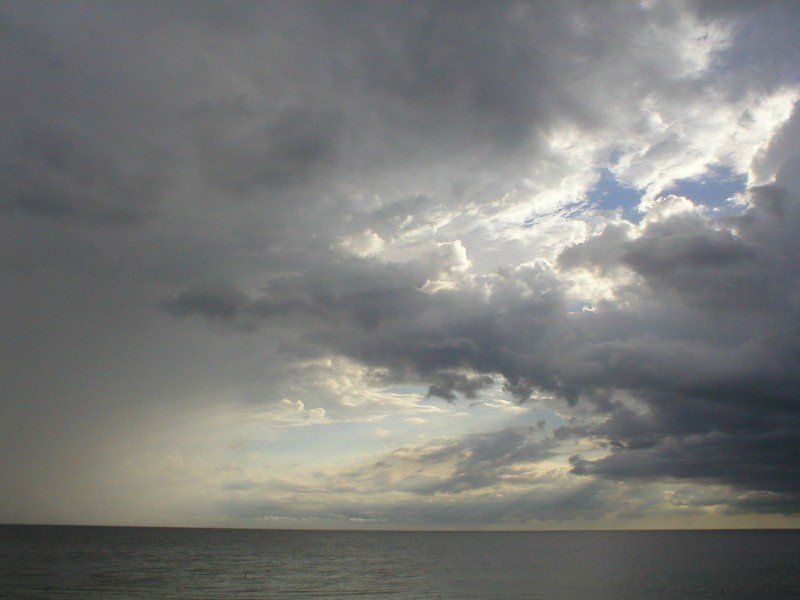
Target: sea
x,y
133,562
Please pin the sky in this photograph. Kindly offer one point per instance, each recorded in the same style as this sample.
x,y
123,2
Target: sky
x,y
400,265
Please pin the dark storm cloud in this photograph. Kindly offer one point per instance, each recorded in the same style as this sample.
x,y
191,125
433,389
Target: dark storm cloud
x,y
211,159
222,302
727,410
377,313
119,116
446,384
756,460
360,292
733,264
64,175
293,149
708,343
76,143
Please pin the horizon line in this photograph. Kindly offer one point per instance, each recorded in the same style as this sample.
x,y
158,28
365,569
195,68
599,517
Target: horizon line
x,y
395,530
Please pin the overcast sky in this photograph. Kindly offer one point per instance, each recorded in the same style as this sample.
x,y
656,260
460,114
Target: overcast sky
x,y
400,264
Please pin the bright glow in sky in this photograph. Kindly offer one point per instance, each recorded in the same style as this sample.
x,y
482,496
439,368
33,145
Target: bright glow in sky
x,y
400,265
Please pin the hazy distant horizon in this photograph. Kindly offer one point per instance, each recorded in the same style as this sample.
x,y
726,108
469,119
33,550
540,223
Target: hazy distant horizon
x,y
394,530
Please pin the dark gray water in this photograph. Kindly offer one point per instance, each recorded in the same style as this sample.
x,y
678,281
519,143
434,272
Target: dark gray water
x,y
122,562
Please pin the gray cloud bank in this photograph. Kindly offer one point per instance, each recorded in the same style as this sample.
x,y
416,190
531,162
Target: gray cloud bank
x,y
706,337
318,179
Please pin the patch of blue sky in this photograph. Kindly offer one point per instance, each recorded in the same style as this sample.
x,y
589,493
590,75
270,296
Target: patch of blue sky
x,y
714,189
566,211
611,194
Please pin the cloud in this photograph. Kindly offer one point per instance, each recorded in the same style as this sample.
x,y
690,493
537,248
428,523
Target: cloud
x,y
351,207
559,503
721,391
470,463
293,149
295,413
688,339
445,384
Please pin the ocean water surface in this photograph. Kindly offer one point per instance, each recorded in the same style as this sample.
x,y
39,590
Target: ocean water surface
x,y
124,562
